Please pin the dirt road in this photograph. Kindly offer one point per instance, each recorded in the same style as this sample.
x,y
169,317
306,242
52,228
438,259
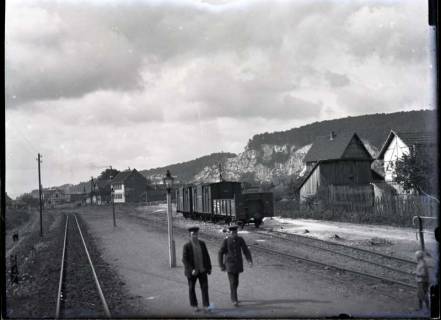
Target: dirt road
x,y
272,288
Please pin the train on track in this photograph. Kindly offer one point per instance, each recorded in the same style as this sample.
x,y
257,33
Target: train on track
x,y
224,201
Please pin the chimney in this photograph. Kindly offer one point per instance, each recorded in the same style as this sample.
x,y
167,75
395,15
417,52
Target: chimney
x,y
332,135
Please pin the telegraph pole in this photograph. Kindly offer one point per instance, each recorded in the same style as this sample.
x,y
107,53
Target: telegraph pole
x,y
91,190
39,193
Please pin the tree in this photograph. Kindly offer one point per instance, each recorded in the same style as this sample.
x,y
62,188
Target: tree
x,y
29,200
106,174
418,171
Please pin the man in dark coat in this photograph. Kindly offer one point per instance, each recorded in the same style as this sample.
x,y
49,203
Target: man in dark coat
x,y
197,265
230,260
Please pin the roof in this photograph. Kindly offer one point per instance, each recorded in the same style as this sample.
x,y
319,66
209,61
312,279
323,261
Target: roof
x,y
376,175
101,183
324,148
410,138
308,174
122,176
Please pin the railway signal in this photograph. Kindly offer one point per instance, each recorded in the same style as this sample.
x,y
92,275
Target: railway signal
x,y
168,182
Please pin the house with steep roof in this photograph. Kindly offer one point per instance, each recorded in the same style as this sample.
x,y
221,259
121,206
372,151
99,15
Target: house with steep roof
x,y
399,143
129,186
336,160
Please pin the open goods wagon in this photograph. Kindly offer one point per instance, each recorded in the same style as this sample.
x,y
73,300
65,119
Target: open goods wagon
x,y
224,201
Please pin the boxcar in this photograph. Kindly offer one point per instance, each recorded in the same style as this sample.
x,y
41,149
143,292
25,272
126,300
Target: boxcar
x,y
184,201
256,206
223,201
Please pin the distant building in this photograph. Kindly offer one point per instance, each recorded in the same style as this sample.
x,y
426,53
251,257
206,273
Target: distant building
x,y
336,160
53,197
79,198
129,186
399,143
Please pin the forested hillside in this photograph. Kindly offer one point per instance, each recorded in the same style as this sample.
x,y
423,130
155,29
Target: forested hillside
x,y
373,128
187,170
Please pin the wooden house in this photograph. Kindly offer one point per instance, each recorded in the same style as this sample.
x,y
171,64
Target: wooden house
x,y
399,143
336,160
129,186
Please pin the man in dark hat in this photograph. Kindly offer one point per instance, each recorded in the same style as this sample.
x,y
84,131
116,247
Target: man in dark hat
x,y
230,260
197,265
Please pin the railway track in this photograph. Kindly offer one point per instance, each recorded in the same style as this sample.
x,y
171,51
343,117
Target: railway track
x,y
340,257
79,290
347,258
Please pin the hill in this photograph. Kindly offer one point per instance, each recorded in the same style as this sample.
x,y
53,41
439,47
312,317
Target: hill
x,y
185,171
277,158
373,128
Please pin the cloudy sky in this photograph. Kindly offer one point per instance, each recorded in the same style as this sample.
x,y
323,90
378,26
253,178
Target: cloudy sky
x,y
148,83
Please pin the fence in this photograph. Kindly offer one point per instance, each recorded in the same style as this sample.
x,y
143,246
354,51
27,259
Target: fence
x,y
358,204
351,197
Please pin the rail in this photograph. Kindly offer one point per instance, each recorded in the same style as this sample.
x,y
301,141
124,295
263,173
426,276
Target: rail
x,y
60,284
100,292
62,271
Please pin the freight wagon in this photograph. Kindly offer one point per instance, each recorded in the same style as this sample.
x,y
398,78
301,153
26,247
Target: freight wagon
x,y
224,201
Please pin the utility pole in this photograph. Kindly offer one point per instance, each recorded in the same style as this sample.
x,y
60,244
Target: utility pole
x,y
40,196
112,196
168,182
91,190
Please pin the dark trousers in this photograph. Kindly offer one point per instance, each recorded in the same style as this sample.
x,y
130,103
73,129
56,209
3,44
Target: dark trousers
x,y
234,283
203,282
422,292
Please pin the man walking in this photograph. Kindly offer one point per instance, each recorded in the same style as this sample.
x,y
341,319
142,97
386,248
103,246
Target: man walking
x,y
197,265
230,260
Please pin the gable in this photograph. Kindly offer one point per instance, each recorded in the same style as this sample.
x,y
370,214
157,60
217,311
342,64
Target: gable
x,y
356,150
408,139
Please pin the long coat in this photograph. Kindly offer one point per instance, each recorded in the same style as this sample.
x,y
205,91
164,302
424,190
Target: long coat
x,y
232,249
188,261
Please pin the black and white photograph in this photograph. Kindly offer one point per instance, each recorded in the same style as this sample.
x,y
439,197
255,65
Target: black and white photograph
x,y
220,159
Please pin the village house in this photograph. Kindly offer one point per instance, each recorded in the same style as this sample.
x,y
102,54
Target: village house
x,y
397,144
338,160
129,186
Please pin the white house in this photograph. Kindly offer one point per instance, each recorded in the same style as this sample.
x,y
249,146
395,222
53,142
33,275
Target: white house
x,y
397,144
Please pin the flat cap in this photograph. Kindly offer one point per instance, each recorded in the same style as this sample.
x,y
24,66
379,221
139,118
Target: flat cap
x,y
233,227
193,229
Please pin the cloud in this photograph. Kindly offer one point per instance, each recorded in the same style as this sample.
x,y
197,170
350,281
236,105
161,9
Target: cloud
x,y
136,83
336,80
